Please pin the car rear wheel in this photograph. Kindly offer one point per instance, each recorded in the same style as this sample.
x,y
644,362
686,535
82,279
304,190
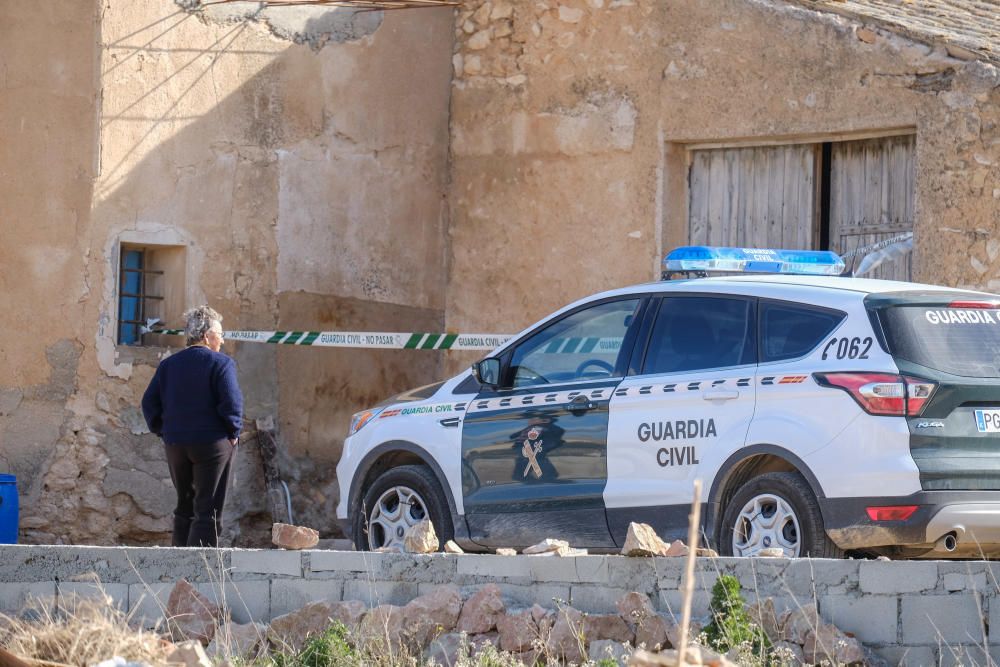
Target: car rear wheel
x,y
776,510
399,499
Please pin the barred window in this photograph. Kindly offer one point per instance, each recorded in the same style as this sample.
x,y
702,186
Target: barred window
x,y
150,286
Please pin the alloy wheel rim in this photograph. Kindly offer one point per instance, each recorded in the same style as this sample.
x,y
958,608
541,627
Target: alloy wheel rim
x,y
767,521
396,511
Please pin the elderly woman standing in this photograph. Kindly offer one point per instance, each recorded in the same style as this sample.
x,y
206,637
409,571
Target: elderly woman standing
x,y
194,403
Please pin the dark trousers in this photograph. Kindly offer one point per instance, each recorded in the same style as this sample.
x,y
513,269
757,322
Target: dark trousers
x,y
201,477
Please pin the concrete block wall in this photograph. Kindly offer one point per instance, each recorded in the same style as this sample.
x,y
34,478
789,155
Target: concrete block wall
x,y
914,613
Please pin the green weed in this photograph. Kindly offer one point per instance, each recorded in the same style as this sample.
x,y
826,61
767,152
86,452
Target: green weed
x,y
731,626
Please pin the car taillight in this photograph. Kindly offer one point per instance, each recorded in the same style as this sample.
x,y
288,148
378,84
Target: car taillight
x,y
891,513
882,393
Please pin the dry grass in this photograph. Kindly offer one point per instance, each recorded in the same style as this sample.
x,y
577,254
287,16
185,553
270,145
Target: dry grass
x,y
77,631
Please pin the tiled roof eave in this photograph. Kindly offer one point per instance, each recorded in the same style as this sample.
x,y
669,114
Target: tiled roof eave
x,y
957,45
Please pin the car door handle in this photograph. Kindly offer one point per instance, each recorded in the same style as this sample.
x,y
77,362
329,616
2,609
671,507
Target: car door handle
x,y
720,395
451,422
581,404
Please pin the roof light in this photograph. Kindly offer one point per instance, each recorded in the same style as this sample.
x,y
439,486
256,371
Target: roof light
x,y
709,259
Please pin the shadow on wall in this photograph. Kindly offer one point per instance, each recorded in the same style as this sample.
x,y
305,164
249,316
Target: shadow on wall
x,y
311,196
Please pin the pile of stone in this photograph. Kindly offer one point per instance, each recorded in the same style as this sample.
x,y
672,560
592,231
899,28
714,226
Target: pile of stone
x,y
439,624
641,540
803,637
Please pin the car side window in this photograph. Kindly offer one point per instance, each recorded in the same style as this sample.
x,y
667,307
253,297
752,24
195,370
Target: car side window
x,y
581,346
700,332
789,331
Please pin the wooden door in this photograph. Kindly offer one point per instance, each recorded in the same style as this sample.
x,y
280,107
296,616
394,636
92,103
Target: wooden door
x,y
756,197
871,197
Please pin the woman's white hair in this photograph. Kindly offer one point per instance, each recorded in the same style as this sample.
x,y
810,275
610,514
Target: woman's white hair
x,y
198,321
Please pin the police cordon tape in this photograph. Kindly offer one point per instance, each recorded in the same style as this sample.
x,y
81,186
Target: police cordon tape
x,y
402,341
362,339
885,243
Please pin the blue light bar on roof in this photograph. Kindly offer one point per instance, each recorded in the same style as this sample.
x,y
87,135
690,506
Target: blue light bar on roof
x,y
753,260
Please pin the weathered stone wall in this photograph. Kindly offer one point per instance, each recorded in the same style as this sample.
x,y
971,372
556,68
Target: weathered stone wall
x,y
911,613
295,159
570,120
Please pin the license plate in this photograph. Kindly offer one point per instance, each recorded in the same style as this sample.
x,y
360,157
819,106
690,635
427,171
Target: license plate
x,y
988,421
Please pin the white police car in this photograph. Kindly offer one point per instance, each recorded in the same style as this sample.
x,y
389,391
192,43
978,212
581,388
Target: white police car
x,y
824,414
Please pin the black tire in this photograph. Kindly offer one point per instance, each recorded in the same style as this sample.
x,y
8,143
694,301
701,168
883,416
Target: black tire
x,y
793,489
417,478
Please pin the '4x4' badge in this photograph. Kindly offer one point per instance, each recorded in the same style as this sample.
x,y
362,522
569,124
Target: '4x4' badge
x,y
531,448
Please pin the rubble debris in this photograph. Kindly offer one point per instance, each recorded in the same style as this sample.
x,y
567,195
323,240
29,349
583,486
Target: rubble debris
x,y
642,540
421,539
191,615
292,537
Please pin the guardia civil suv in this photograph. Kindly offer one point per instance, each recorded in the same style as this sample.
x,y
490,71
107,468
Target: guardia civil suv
x,y
823,413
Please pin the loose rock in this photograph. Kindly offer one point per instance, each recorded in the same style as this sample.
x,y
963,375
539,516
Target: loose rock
x,y
233,640
287,536
191,615
451,547
481,612
788,654
635,608
827,643
504,551
771,552
766,618
190,654
603,627
677,548
517,631
545,545
293,629
479,644
421,539
383,624
434,613
446,649
642,540
566,640
798,623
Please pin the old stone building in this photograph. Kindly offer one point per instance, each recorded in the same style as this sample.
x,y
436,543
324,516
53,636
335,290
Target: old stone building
x,y
423,170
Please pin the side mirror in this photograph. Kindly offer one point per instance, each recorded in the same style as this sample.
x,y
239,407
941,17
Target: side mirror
x,y
487,371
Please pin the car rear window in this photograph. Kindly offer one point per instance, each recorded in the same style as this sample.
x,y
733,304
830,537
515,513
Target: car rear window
x,y
960,341
789,331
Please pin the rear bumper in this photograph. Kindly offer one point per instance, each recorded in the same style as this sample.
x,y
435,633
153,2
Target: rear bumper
x,y
971,518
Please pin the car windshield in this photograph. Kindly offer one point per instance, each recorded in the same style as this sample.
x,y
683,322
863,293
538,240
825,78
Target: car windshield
x,y
960,341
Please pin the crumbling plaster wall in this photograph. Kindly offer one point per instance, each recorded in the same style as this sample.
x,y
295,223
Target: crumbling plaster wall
x,y
300,161
570,120
47,96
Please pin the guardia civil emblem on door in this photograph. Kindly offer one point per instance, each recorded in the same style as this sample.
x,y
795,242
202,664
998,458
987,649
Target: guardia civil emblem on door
x,y
531,448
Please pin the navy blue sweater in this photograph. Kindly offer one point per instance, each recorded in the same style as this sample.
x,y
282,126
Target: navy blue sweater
x,y
194,398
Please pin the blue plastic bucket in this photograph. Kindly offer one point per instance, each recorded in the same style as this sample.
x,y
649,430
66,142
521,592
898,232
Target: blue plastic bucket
x,y
8,509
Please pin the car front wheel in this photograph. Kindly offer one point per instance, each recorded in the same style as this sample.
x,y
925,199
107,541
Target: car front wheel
x,y
776,510
399,499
